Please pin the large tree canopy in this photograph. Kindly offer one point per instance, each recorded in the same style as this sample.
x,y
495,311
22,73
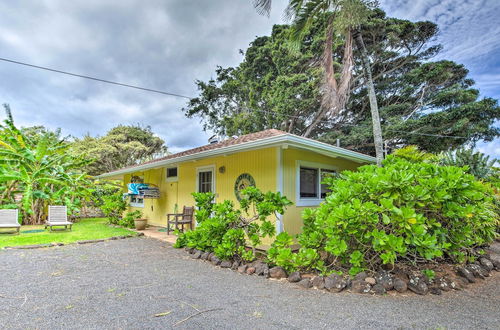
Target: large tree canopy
x,y
278,86
121,146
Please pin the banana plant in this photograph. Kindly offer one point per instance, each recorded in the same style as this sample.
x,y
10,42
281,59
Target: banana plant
x,y
40,169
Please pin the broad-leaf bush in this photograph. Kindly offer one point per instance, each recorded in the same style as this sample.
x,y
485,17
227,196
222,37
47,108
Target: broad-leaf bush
x,y
113,205
128,221
405,210
36,170
226,230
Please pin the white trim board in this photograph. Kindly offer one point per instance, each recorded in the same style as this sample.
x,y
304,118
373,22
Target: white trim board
x,y
206,169
173,178
310,201
279,185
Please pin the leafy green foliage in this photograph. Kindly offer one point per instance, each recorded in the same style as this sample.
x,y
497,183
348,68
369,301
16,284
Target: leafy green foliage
x,y
225,230
410,211
276,87
113,205
120,147
413,154
478,163
128,220
36,170
429,273
281,254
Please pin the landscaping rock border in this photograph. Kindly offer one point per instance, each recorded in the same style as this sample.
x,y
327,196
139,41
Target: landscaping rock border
x,y
47,245
377,283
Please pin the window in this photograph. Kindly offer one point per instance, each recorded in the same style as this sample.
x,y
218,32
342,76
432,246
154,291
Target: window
x,y
205,181
308,182
311,190
136,201
172,174
325,174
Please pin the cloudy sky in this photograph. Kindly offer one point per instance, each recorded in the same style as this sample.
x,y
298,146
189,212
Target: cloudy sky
x,y
167,45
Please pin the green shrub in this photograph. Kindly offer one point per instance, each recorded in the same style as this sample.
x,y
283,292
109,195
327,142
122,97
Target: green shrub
x,y
429,273
113,205
282,255
226,231
411,211
128,220
413,154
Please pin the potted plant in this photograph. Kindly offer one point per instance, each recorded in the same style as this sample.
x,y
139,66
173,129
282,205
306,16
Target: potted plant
x,y
134,218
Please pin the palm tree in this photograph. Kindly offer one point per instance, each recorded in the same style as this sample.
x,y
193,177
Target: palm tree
x,y
377,129
343,17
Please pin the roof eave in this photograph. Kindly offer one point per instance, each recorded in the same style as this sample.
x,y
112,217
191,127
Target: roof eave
x,y
263,143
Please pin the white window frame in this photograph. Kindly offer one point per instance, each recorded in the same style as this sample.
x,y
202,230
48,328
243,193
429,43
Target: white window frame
x,y
310,201
134,204
206,169
173,178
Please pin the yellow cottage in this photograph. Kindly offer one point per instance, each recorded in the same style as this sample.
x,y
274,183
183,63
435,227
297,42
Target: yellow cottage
x,y
272,160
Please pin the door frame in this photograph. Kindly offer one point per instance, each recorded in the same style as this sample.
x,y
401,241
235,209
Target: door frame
x,y
208,168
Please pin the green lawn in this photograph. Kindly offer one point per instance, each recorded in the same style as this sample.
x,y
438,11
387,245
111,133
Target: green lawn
x,y
94,228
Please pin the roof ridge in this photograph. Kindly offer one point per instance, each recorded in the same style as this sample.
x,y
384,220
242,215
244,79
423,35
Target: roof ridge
x,y
211,146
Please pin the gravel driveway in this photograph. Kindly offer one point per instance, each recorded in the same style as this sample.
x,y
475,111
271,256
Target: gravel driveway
x,y
122,284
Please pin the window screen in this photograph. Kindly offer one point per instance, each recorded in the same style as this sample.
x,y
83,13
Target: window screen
x,y
137,201
308,182
205,181
172,172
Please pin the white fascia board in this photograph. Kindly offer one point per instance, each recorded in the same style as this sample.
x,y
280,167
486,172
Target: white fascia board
x,y
330,150
274,141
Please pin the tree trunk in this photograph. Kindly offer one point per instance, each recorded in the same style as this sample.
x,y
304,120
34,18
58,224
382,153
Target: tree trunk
x,y
377,130
334,93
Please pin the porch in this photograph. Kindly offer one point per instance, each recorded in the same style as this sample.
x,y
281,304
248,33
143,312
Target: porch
x,y
159,233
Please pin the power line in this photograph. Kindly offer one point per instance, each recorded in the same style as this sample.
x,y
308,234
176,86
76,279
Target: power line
x,y
93,78
188,97
434,135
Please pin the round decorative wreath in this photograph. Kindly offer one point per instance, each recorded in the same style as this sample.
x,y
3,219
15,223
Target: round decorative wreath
x,y
243,181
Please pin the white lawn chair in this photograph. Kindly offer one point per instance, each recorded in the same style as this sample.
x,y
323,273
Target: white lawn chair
x,y
8,219
58,216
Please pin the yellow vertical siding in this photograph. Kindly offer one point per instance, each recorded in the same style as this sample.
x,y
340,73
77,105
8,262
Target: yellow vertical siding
x,y
155,209
261,164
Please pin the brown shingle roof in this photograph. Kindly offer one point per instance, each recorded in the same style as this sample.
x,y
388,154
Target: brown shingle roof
x,y
226,143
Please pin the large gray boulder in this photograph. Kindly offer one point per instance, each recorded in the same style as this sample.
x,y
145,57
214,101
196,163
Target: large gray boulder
x,y
294,277
360,286
467,274
417,284
261,269
305,283
335,283
318,282
400,285
277,272
385,279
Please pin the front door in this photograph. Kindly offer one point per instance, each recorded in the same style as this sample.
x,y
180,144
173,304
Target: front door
x,y
205,182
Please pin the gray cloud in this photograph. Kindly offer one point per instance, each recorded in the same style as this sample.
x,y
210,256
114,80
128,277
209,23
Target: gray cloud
x,y
163,45
469,32
167,45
